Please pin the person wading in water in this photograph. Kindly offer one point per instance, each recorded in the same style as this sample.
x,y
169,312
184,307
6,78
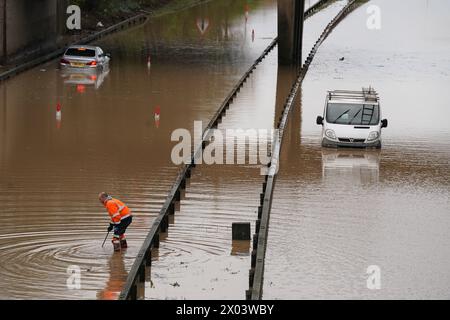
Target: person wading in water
x,y
121,218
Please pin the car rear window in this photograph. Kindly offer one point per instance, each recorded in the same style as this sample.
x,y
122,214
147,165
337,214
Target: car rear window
x,y
80,52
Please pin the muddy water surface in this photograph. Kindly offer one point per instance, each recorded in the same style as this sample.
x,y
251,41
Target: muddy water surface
x,y
107,138
346,210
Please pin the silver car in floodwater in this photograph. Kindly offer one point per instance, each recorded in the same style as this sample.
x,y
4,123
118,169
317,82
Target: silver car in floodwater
x,y
85,57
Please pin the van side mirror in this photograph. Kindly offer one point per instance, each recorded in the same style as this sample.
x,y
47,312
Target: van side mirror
x,y
384,123
319,121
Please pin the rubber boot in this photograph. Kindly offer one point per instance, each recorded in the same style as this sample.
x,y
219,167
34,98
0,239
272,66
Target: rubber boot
x,y
123,243
116,245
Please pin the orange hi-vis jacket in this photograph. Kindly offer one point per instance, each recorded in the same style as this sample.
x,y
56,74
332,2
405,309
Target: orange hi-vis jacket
x,y
117,210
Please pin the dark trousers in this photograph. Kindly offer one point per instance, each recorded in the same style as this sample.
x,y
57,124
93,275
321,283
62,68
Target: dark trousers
x,y
119,229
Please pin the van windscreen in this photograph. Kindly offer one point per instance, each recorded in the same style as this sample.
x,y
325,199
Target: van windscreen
x,y
353,114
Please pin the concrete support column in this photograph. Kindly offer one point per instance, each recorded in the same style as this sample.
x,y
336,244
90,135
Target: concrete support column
x,y
290,31
61,17
27,28
3,43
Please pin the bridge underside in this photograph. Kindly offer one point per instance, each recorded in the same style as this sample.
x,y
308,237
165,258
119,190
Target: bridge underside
x,y
290,31
28,28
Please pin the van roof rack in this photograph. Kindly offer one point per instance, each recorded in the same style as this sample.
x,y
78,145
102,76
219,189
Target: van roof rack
x,y
365,95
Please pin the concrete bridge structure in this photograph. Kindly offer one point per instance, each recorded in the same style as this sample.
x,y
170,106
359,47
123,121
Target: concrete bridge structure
x,y
29,27
290,30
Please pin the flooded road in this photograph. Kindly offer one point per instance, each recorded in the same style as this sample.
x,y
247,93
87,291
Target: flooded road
x,y
198,253
335,213
52,166
198,259
338,212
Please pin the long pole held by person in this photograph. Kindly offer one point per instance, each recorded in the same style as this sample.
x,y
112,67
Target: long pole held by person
x,y
105,239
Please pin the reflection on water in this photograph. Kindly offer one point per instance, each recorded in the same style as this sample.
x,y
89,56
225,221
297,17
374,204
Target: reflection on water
x,y
117,278
344,165
82,78
240,248
202,25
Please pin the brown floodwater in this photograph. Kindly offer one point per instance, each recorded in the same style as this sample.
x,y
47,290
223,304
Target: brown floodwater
x,y
107,138
337,212
198,259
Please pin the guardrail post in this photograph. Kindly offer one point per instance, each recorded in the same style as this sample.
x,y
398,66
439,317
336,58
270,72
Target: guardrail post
x,y
133,292
142,273
148,258
255,241
171,208
165,224
156,240
253,262
251,276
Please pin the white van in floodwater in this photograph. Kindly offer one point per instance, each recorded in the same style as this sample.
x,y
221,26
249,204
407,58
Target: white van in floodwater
x,y
352,119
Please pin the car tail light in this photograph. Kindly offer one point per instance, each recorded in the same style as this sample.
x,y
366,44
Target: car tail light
x,y
64,61
92,63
